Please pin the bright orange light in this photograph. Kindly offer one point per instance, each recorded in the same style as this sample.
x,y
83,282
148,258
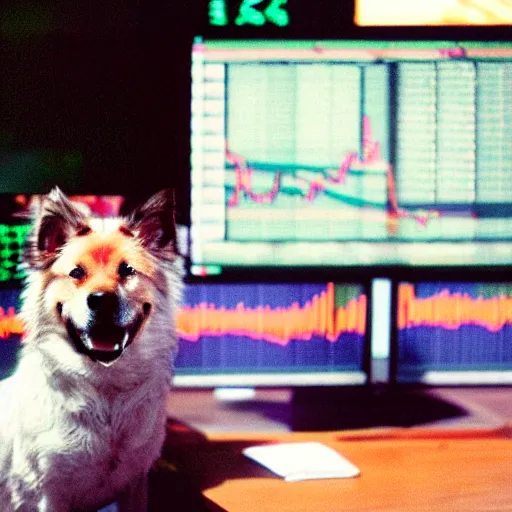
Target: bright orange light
x,y
433,12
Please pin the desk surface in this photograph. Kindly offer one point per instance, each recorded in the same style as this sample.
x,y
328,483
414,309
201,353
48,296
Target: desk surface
x,y
401,470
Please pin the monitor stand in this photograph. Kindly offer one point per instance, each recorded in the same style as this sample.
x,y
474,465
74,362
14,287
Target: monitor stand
x,y
360,407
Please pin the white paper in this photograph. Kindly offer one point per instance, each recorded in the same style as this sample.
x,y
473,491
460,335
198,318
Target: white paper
x,y
302,461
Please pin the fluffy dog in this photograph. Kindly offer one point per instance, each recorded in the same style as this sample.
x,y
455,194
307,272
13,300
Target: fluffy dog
x,y
83,417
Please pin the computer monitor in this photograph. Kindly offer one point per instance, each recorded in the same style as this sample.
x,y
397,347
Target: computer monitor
x,y
272,334
350,154
453,333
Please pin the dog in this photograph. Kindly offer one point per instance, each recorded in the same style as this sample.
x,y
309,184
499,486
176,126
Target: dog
x,y
83,415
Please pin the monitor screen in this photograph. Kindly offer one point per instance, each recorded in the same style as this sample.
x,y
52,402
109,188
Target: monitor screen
x,y
252,334
269,334
11,330
454,333
350,154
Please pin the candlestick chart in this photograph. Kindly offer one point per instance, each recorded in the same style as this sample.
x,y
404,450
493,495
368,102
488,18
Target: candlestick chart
x,y
450,326
355,199
309,158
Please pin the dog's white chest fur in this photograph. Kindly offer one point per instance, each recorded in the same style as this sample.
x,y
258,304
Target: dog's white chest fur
x,y
84,445
103,449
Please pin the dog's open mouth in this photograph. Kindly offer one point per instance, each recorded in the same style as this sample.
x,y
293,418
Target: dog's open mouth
x,y
103,342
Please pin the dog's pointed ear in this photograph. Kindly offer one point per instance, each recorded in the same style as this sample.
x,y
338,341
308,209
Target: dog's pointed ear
x,y
55,221
154,223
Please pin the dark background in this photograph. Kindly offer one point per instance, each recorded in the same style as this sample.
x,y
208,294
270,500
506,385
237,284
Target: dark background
x,y
107,82
98,92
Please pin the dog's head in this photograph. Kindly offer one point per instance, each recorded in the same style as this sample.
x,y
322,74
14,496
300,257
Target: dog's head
x,y
99,280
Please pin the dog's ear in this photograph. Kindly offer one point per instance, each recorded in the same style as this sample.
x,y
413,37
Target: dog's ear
x,y
155,225
55,221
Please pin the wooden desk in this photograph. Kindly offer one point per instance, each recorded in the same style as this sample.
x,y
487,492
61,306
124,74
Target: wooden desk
x,y
401,470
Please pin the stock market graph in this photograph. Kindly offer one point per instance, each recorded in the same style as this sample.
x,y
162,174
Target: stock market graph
x,y
307,154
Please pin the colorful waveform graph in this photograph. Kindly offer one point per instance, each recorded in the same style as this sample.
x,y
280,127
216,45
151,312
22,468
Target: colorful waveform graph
x,y
279,325
319,316
272,329
11,330
464,328
451,310
326,181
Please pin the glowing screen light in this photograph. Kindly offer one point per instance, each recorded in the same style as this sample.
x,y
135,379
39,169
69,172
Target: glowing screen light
x,y
12,239
250,12
433,12
217,12
449,331
348,153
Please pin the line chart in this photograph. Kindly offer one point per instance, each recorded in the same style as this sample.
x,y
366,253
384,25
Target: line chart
x,y
309,190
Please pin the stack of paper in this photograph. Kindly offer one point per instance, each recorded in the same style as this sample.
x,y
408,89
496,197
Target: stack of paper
x,y
302,461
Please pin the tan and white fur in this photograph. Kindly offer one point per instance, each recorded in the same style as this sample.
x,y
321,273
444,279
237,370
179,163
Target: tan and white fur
x,y
82,419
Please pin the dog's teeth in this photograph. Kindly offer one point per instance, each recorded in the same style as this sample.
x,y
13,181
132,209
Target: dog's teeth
x,y
117,346
88,343
108,363
125,339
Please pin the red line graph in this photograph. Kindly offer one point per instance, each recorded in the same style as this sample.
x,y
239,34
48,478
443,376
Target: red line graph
x,y
371,155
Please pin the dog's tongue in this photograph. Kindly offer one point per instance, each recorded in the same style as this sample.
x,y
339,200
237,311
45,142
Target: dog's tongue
x,y
107,337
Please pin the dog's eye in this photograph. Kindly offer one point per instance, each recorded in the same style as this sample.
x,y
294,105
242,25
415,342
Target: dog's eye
x,y
78,272
125,270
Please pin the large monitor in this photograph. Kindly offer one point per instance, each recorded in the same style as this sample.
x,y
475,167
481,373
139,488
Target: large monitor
x,y
273,334
339,154
453,333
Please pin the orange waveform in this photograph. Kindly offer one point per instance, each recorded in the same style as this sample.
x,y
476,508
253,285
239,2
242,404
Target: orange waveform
x,y
451,310
280,325
10,323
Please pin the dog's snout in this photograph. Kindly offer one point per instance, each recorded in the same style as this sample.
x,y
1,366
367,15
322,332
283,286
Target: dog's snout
x,y
103,303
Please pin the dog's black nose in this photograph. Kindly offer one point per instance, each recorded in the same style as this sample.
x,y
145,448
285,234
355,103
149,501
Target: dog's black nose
x,y
103,303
